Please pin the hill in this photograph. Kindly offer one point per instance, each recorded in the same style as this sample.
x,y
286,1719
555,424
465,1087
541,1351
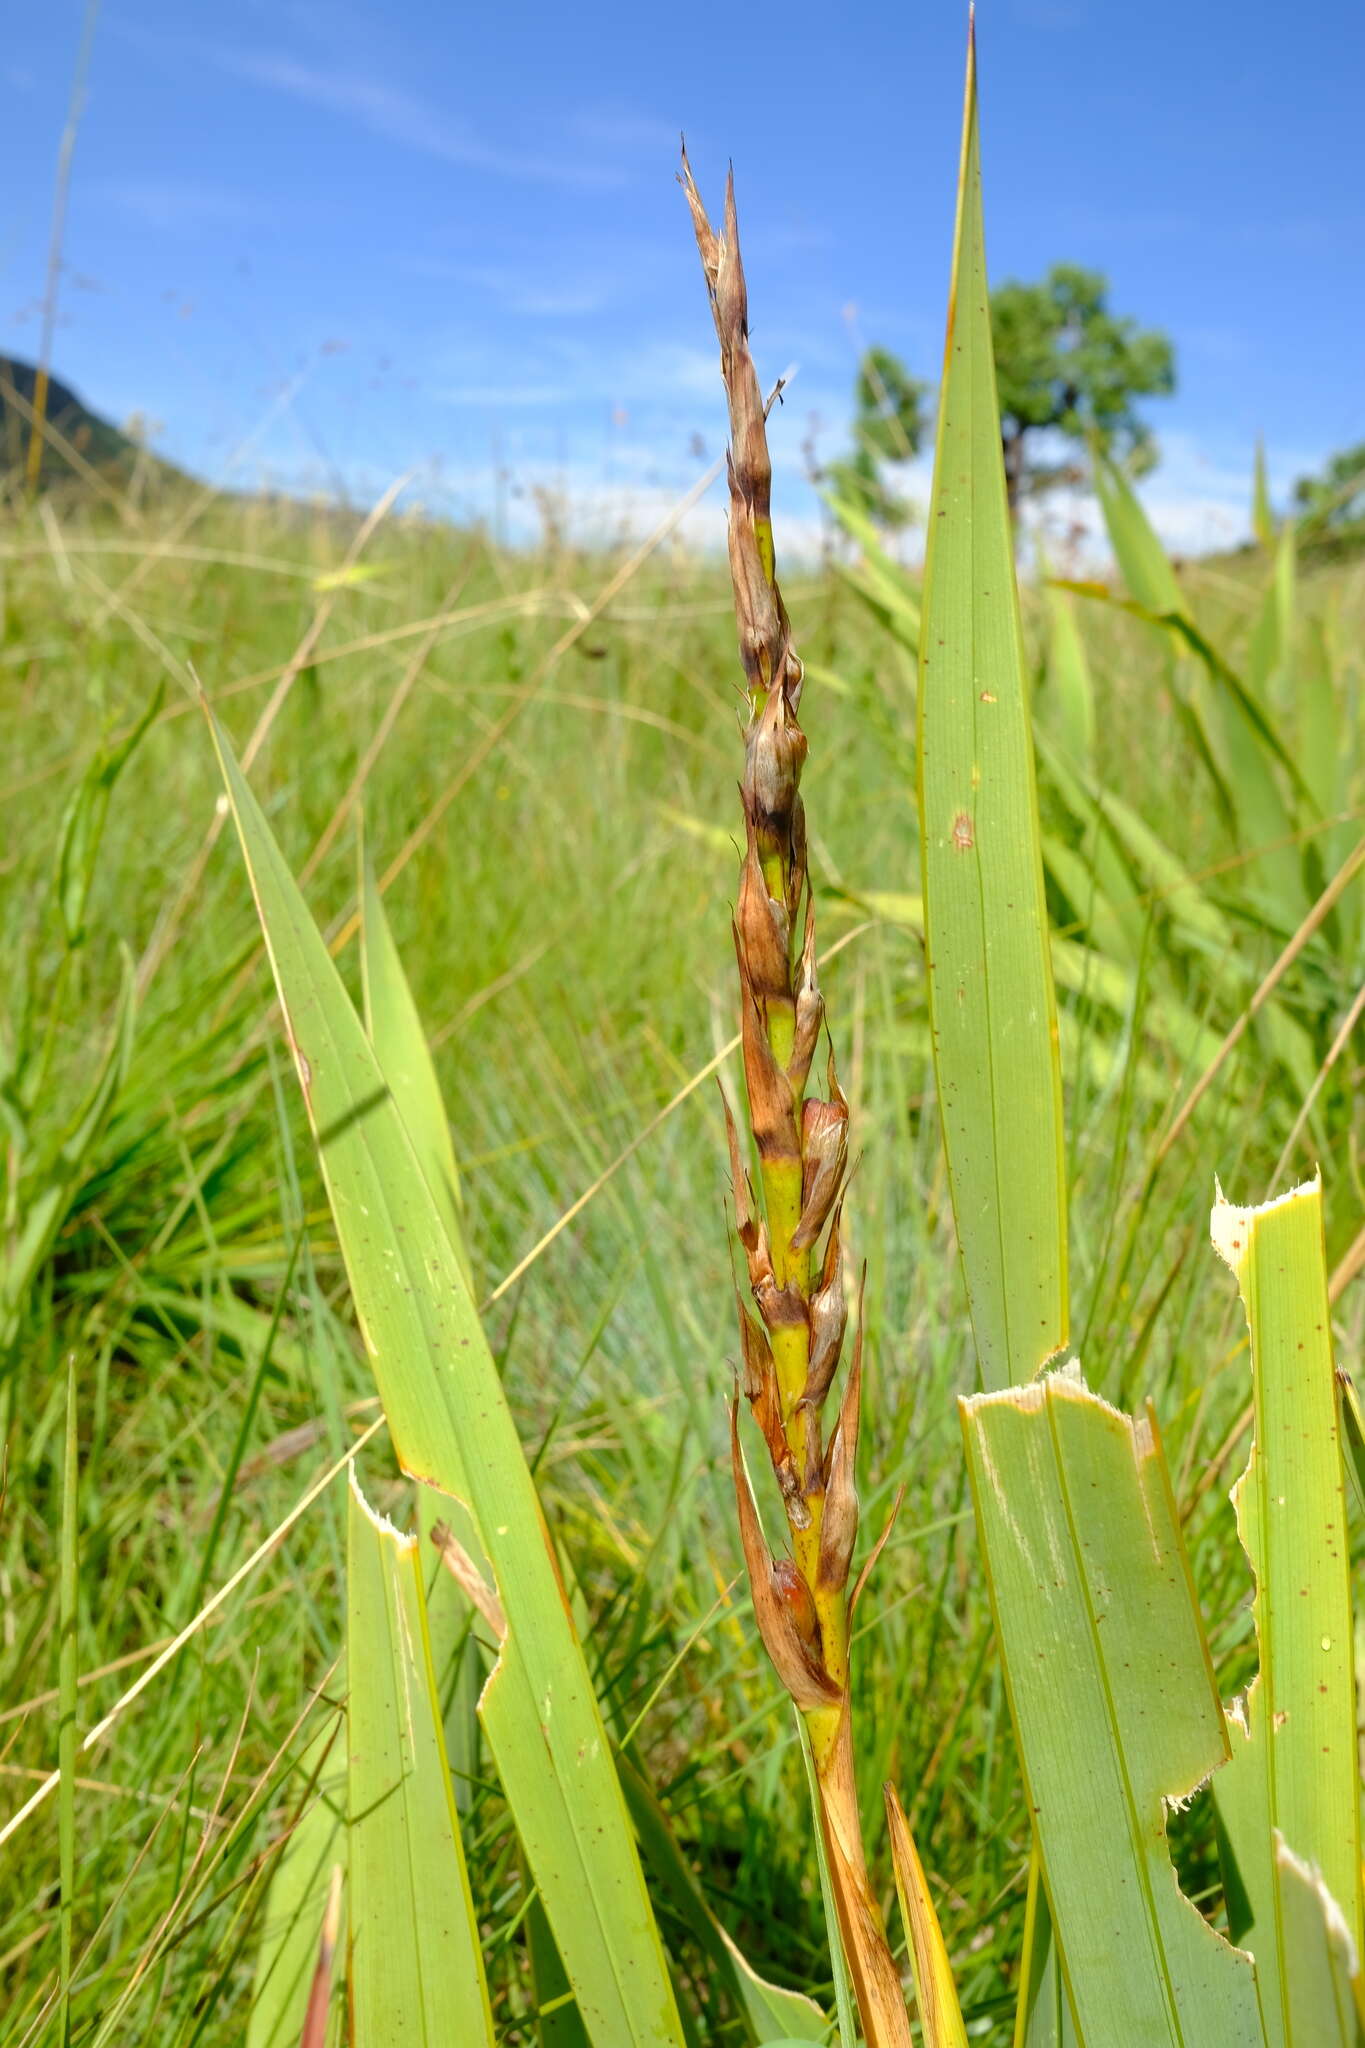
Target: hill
x,y
97,440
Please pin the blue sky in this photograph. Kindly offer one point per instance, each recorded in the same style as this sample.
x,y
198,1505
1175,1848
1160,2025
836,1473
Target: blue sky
x,y
333,243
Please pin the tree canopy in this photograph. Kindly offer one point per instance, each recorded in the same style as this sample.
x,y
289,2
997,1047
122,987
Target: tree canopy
x,y
1066,364
1068,369
1332,503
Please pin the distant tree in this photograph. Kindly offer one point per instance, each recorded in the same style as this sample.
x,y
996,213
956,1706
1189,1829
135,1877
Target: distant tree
x,y
1333,502
888,427
1066,364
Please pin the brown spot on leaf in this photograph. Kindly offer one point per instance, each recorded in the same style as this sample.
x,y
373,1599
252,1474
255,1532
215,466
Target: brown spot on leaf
x,y
964,837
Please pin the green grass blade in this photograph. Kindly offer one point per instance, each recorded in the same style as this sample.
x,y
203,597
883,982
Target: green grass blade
x,y
846,2025
400,1044
83,820
1253,748
395,1030
22,1258
559,2023
1143,563
1156,871
1239,700
1352,1437
1294,1769
1262,518
992,1004
1101,1638
416,1978
1042,2017
1271,647
1069,680
451,1426
766,2008
296,1901
67,1621
878,578
1329,2003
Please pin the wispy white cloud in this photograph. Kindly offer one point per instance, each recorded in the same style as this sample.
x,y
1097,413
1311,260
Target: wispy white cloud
x,y
504,396
580,376
516,288
175,205
397,115
625,131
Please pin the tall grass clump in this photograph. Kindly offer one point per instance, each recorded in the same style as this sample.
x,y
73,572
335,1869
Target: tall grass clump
x,y
395,1646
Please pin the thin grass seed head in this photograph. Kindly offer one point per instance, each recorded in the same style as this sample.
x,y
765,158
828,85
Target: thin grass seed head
x,y
790,1352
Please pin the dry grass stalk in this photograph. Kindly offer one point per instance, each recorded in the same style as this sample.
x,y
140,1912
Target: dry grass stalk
x,y
790,1351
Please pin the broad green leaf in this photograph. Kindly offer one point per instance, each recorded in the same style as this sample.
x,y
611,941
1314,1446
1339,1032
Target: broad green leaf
x,y
1294,1769
991,998
1329,2004
451,1426
1114,1705
416,1977
296,1900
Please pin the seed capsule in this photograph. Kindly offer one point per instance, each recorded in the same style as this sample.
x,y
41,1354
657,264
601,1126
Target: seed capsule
x,y
795,1595
824,1154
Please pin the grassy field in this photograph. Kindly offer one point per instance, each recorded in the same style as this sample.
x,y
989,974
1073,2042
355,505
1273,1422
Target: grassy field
x,y
547,784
